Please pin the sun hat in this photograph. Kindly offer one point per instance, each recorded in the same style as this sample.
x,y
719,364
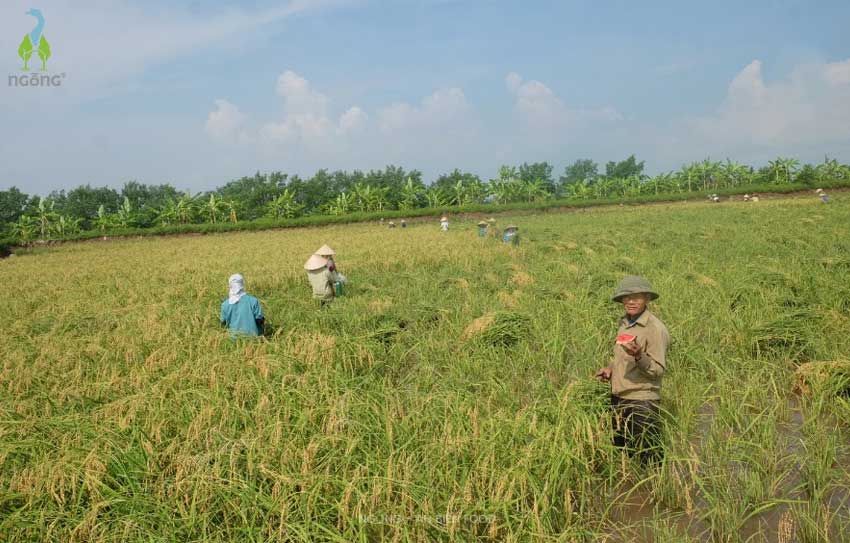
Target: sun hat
x,y
315,262
633,284
324,250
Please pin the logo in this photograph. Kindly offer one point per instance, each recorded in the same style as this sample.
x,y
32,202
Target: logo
x,y
35,44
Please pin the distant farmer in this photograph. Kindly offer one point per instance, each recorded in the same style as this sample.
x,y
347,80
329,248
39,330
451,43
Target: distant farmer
x,y
444,223
714,198
639,362
746,197
240,312
511,234
321,278
403,223
824,198
392,224
482,229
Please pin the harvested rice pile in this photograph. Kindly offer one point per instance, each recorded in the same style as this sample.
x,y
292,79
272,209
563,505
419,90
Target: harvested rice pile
x,y
500,328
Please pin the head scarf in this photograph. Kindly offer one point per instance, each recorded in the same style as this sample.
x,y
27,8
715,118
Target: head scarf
x,y
237,288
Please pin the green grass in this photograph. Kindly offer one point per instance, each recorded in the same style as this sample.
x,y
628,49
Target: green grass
x,y
126,413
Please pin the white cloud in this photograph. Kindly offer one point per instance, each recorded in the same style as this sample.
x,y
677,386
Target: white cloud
x,y
811,106
838,73
513,81
226,123
352,120
540,107
298,97
441,108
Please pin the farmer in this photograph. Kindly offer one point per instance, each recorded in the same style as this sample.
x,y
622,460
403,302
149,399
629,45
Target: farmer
x,y
392,224
322,278
403,223
444,223
639,362
511,234
746,197
482,229
240,312
823,197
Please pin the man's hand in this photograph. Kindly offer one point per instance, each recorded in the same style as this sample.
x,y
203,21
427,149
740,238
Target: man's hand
x,y
604,374
633,349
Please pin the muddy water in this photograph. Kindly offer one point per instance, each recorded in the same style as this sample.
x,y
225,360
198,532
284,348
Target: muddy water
x,y
635,517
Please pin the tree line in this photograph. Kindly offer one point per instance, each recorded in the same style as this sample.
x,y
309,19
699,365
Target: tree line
x,y
277,195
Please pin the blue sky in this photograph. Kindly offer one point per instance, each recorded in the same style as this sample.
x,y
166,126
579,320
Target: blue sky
x,y
197,93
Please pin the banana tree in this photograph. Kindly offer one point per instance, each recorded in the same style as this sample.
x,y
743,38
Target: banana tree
x,y
168,213
533,191
104,220
184,209
435,197
782,169
340,205
125,216
231,207
410,194
45,216
66,226
285,206
213,208
24,228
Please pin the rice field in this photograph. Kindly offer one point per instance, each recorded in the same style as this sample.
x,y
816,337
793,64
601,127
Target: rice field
x,y
446,397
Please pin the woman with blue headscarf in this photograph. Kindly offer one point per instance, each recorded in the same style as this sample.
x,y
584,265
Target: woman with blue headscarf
x,y
241,312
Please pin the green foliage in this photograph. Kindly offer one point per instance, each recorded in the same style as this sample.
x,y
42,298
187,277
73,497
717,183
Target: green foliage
x,y
582,170
394,192
25,51
43,52
12,204
629,167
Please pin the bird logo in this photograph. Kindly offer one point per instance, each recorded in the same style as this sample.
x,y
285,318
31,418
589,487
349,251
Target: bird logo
x,y
35,42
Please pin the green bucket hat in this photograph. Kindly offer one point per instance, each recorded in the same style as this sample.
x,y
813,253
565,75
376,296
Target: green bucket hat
x,y
633,284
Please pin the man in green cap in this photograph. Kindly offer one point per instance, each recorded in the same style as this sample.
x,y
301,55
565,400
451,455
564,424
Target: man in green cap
x,y
639,362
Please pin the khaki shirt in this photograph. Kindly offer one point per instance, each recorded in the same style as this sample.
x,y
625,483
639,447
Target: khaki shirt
x,y
640,379
322,281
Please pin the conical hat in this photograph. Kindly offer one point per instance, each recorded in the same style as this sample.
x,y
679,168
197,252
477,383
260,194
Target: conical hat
x,y
482,223
491,219
444,218
324,250
512,227
315,262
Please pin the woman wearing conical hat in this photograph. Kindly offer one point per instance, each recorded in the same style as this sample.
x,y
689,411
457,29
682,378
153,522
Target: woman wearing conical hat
x,y
321,278
444,223
511,234
326,252
482,229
